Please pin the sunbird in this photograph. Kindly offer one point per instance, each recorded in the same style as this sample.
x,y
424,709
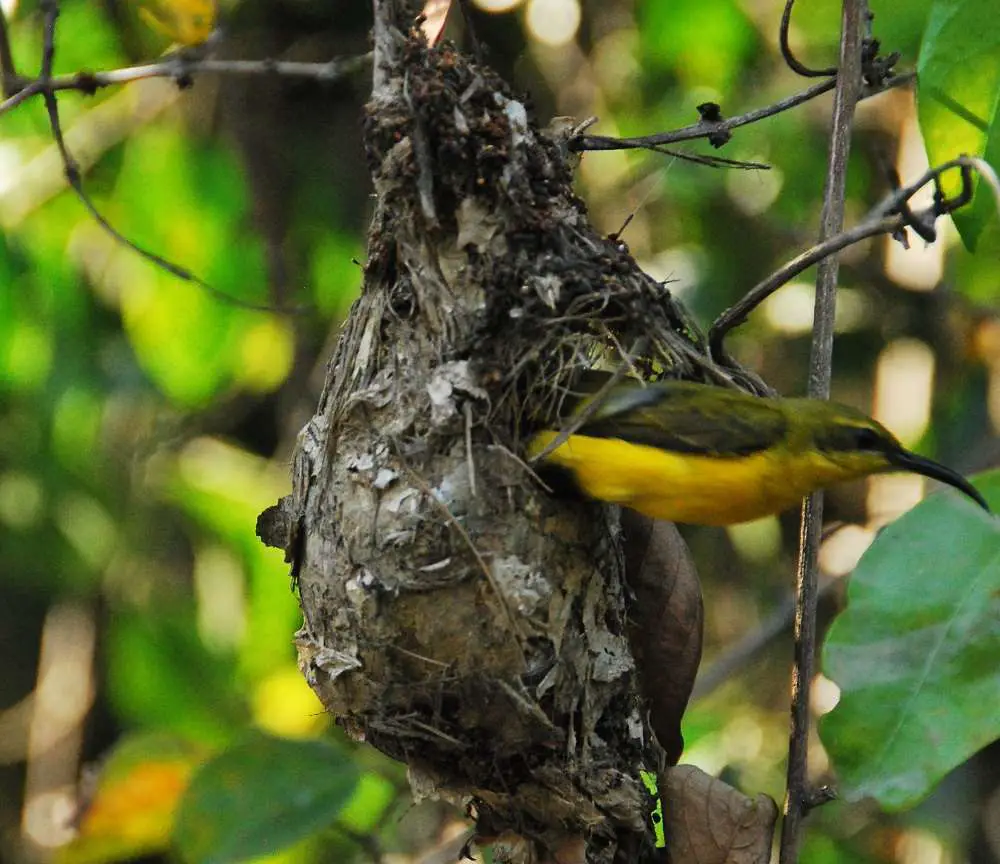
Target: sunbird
x,y
706,455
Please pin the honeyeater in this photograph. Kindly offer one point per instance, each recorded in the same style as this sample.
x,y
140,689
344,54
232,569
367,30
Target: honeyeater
x,y
707,455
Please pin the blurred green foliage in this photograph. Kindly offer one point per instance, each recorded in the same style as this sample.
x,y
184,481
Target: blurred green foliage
x,y
145,423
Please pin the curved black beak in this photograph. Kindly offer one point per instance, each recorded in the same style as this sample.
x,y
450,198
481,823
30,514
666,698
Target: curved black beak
x,y
908,461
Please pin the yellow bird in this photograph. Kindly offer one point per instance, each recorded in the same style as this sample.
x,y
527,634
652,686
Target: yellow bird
x,y
705,455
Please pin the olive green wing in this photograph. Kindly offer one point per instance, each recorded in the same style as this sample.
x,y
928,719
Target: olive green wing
x,y
688,418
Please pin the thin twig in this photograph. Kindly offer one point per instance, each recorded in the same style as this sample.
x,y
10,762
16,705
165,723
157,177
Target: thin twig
x,y
737,314
50,9
180,67
705,129
701,129
581,417
798,795
74,178
422,156
709,160
790,59
891,216
469,457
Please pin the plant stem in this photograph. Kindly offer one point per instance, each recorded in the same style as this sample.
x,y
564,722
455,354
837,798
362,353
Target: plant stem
x,y
854,20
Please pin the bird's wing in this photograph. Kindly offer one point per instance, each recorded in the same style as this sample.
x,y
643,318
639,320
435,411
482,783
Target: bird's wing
x,y
677,416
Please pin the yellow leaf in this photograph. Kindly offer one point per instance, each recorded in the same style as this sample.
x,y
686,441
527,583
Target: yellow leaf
x,y
284,705
185,22
132,810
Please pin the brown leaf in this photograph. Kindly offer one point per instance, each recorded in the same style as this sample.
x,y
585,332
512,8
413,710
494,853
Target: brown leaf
x,y
709,822
665,622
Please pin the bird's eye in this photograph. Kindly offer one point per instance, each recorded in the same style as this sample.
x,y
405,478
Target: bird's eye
x,y
868,439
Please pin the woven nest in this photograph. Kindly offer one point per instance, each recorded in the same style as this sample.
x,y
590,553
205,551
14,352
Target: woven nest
x,y
457,617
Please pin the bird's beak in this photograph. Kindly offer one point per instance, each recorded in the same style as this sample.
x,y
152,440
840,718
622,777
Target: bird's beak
x,y
908,461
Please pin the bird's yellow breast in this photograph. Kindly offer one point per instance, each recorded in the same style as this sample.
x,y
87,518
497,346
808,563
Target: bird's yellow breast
x,y
685,487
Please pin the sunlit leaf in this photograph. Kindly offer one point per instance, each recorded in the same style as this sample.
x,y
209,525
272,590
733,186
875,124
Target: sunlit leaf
x,y
285,705
185,22
192,343
959,95
260,797
267,353
372,797
161,675
915,652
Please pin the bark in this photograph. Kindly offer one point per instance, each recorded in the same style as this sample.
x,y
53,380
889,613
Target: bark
x,y
456,616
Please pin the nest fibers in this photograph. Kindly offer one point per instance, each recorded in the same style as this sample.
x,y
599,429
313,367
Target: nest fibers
x,y
456,617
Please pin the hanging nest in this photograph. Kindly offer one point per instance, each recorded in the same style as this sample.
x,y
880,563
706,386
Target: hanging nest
x,y
455,615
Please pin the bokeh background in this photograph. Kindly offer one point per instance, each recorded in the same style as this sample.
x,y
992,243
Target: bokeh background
x,y
144,423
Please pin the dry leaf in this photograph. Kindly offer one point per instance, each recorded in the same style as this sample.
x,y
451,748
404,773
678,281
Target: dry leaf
x,y
435,16
665,622
710,822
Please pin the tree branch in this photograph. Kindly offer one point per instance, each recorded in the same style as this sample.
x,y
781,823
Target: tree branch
x,y
790,59
892,216
798,797
180,67
708,128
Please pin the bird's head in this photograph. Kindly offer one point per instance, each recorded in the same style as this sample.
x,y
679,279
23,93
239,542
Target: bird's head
x,y
858,445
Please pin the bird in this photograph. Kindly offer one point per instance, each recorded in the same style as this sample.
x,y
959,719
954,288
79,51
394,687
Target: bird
x,y
708,455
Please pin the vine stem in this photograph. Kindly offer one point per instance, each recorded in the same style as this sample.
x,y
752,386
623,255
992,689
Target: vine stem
x,y
799,797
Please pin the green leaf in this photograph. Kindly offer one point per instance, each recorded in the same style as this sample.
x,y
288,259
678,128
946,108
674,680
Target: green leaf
x,y
915,652
260,797
162,676
703,44
372,797
958,96
818,848
898,26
